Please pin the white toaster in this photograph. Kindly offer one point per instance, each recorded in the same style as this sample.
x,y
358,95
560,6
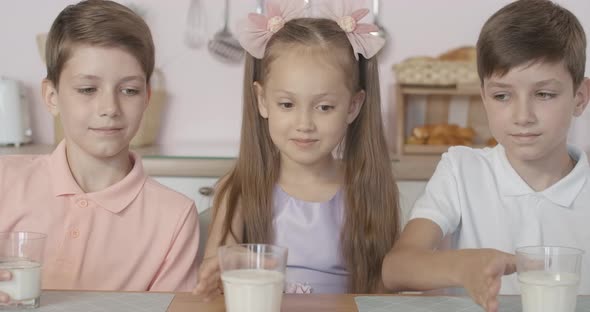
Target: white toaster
x,y
15,124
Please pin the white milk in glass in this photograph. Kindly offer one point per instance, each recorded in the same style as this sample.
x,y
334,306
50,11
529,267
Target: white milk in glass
x,y
26,279
253,290
543,291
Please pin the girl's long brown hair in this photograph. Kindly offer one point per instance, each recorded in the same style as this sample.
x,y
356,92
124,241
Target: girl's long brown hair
x,y
371,222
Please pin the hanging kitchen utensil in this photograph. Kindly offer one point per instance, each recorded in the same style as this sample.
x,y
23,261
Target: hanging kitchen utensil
x,y
381,32
195,32
260,6
224,45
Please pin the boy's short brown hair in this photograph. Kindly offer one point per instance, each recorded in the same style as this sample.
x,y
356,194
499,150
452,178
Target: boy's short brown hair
x,y
530,31
101,23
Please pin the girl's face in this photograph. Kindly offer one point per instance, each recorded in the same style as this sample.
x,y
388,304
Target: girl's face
x,y
308,104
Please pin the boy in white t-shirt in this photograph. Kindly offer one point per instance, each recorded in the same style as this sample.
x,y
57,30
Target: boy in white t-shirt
x,y
531,189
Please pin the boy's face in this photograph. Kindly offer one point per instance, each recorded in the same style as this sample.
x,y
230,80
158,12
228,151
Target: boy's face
x,y
101,98
530,109
308,104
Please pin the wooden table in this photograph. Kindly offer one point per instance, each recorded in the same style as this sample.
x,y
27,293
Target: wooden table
x,y
291,303
76,300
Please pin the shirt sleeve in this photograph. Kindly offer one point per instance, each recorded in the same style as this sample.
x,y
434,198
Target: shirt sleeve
x,y
440,200
179,270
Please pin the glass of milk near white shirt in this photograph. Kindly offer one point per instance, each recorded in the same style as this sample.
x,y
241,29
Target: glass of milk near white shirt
x,y
21,254
549,277
253,277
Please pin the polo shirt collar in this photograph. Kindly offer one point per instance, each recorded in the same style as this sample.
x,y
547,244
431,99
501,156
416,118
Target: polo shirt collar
x,y
114,198
562,193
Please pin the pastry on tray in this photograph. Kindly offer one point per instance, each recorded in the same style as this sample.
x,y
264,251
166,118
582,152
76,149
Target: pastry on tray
x,y
441,134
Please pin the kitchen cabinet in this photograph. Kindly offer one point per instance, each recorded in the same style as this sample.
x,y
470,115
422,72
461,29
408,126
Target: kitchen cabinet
x,y
194,187
195,176
199,189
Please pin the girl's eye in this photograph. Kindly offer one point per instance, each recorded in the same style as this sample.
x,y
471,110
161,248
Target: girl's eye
x,y
286,105
86,91
325,108
130,91
546,95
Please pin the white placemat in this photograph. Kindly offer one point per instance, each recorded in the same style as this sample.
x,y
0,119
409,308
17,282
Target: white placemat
x,y
66,301
443,304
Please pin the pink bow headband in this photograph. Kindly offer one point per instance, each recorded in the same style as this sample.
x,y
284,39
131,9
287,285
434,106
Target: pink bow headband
x,y
256,31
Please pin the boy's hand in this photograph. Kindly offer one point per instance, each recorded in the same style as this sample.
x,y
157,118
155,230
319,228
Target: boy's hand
x,y
209,283
4,276
483,271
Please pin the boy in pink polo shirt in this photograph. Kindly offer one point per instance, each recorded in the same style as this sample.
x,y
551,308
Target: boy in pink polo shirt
x,y
108,225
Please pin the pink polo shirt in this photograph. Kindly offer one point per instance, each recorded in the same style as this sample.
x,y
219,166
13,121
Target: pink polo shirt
x,y
136,235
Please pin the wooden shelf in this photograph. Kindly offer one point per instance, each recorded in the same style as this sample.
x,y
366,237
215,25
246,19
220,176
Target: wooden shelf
x,y
414,90
438,103
429,149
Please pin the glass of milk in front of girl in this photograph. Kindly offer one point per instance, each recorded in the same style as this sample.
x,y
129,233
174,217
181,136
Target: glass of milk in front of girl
x,y
253,277
549,277
21,254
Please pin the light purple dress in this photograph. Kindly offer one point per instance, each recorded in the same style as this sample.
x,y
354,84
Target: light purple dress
x,y
311,232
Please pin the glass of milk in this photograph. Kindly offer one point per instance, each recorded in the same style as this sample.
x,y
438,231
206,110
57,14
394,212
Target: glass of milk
x,y
21,254
549,278
253,277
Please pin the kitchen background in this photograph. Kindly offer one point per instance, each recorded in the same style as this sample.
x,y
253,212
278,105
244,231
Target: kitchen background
x,y
203,107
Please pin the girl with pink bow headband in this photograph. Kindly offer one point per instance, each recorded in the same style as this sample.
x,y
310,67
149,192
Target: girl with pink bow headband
x,y
313,173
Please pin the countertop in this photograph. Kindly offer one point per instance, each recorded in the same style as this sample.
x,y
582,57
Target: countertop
x,y
179,161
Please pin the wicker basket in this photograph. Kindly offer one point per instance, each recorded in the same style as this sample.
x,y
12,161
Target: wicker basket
x,y
434,72
149,128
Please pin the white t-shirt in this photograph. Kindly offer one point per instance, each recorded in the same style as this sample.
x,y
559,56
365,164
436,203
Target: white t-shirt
x,y
480,200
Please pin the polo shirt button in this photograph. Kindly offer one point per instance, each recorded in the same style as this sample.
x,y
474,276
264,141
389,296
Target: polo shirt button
x,y
75,233
83,203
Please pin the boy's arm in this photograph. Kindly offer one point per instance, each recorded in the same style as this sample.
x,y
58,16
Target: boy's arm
x,y
409,264
179,270
437,212
415,264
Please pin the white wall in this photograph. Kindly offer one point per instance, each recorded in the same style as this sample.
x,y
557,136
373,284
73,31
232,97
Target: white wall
x,y
204,104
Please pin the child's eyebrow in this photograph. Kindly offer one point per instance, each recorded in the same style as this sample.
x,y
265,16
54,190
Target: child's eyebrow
x,y
494,84
315,96
283,91
136,77
124,79
87,77
548,81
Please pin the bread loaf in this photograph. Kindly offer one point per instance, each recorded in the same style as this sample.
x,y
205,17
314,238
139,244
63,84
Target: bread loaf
x,y
442,134
462,54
